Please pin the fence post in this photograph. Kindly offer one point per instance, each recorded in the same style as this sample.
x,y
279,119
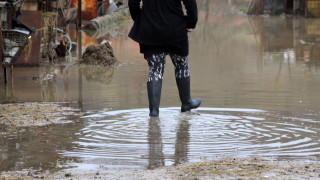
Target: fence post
x,y
5,75
306,8
262,6
79,15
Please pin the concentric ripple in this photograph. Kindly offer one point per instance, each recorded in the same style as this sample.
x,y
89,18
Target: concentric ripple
x,y
129,138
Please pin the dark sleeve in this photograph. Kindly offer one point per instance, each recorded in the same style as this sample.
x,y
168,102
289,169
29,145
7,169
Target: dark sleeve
x,y
192,13
134,8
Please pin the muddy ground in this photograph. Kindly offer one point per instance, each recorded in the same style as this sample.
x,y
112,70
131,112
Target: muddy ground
x,y
224,168
15,116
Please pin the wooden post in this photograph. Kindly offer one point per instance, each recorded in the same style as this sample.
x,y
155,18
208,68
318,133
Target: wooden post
x,y
48,6
262,6
1,50
79,46
5,75
79,15
11,75
80,104
9,15
306,8
285,4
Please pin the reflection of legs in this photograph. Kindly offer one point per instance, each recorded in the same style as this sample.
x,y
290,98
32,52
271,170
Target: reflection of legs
x,y
182,142
183,82
156,158
156,64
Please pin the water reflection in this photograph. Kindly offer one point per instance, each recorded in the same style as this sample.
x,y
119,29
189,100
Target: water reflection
x,y
182,140
98,74
156,157
37,147
291,40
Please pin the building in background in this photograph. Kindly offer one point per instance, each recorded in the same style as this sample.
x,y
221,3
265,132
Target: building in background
x,y
309,8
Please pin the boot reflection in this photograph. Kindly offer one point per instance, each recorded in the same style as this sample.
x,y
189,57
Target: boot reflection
x,y
156,157
182,141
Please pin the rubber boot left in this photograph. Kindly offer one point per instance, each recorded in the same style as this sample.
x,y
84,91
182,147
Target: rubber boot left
x,y
154,96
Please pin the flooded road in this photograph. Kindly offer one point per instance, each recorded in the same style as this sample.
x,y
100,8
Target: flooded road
x,y
258,78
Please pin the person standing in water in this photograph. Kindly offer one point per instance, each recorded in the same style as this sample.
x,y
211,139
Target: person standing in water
x,y
161,28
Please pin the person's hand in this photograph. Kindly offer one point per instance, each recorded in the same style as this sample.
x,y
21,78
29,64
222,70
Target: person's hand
x,y
189,30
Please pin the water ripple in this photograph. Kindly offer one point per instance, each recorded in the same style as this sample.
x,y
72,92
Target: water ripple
x,y
130,138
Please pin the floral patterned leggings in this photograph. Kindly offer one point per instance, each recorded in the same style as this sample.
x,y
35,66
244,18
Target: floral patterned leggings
x,y
157,63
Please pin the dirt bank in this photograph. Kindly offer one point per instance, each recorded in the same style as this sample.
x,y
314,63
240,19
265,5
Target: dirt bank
x,y
226,168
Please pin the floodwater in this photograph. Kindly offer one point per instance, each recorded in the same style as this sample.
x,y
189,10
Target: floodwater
x,y
258,78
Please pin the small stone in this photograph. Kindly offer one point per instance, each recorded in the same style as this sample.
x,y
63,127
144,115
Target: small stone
x,y
97,174
307,167
67,174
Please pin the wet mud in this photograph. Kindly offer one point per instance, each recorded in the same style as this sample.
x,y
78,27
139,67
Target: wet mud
x,y
17,115
224,168
257,76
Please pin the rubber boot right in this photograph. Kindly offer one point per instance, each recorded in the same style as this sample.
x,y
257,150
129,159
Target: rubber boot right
x,y
154,96
184,93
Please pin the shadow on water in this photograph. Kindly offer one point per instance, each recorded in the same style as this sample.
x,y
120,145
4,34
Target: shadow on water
x,y
258,77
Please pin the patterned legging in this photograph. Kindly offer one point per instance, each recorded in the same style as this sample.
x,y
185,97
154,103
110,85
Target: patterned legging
x,y
157,63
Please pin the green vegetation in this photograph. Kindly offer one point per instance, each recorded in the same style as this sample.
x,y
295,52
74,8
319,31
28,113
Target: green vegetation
x,y
245,7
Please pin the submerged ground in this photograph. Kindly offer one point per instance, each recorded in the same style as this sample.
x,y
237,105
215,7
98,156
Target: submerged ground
x,y
258,78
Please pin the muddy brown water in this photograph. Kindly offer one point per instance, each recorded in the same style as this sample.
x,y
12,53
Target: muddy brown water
x,y
258,78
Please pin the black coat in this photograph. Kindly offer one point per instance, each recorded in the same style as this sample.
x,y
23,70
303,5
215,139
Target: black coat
x,y
162,22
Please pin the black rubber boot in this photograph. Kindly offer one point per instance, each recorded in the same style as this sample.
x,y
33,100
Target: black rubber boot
x,y
154,95
184,93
